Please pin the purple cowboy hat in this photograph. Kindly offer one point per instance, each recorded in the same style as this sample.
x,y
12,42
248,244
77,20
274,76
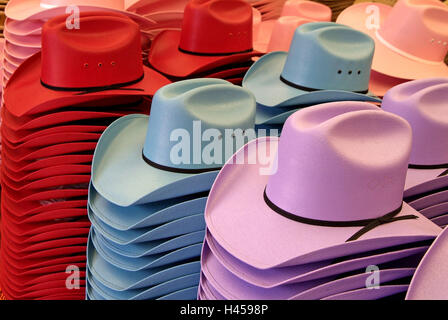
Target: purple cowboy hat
x,y
430,281
336,189
313,271
423,104
435,210
222,284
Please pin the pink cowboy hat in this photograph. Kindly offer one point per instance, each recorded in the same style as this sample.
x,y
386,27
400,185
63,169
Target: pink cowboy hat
x,y
379,83
276,35
339,169
46,9
423,104
411,38
430,281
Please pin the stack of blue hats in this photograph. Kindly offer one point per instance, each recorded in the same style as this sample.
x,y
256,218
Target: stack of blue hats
x,y
148,191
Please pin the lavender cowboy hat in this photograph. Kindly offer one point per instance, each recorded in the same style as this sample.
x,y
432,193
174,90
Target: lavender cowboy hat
x,y
401,256
326,62
226,285
423,104
335,189
430,281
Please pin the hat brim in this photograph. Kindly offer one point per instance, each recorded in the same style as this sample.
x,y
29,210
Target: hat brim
x,y
383,291
153,247
268,115
184,253
141,216
166,57
232,287
25,91
379,83
435,210
276,277
263,78
162,289
385,60
122,280
118,157
32,10
171,229
254,236
422,180
430,200
430,281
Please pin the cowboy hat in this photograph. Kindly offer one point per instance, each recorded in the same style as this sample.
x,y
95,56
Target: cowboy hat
x,y
277,218
421,103
146,215
214,33
147,170
411,38
326,62
63,74
429,281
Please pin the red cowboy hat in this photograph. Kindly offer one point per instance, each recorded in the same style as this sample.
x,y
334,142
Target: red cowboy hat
x,y
214,33
102,59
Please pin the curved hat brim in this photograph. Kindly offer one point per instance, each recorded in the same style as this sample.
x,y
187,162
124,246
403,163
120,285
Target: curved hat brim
x,y
263,78
122,280
383,291
118,157
153,247
141,216
436,210
430,200
430,281
32,10
166,57
307,272
25,92
253,236
268,115
385,60
423,180
379,83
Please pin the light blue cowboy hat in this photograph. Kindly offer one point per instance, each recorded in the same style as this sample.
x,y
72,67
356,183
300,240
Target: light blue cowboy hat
x,y
145,215
146,262
133,161
118,279
163,289
168,230
137,250
326,62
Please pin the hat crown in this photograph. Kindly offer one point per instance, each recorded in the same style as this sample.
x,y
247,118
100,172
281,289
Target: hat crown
x,y
326,55
104,51
424,104
348,156
307,9
426,25
216,27
196,114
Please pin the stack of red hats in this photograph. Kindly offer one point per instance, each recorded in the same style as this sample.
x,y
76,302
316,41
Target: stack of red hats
x,y
56,106
215,42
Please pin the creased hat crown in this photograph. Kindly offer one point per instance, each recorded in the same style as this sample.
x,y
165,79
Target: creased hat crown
x,y
104,51
196,114
325,55
341,161
424,104
216,27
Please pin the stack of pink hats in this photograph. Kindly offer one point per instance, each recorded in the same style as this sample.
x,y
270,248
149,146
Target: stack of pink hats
x,y
423,103
276,34
401,56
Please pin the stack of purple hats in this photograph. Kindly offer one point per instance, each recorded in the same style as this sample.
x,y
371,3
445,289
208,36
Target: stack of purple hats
x,y
423,103
316,213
